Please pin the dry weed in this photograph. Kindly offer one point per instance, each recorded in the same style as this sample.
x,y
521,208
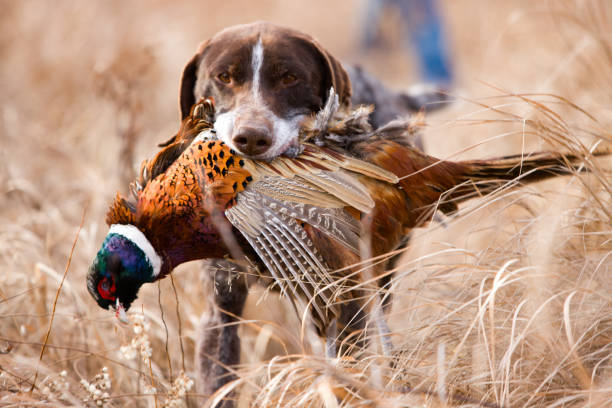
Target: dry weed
x,y
506,304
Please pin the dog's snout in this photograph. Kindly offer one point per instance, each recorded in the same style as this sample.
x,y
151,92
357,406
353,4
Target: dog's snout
x,y
252,141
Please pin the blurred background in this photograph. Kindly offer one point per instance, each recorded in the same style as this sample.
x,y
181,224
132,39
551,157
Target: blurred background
x,y
87,90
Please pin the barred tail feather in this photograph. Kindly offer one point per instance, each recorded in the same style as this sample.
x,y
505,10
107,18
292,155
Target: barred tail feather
x,y
481,177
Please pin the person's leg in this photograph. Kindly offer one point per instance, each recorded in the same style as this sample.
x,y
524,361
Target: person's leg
x,y
426,33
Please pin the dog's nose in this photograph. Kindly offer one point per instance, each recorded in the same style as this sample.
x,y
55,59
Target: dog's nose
x,y
252,141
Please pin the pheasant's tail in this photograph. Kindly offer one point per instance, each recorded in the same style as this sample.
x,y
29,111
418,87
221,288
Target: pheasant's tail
x,y
482,177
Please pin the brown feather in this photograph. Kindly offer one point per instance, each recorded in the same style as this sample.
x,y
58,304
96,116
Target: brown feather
x,y
299,213
120,212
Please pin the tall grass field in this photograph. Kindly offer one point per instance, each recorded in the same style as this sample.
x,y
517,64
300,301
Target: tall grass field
x,y
506,304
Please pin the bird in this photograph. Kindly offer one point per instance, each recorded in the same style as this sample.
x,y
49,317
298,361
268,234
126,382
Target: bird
x,y
300,220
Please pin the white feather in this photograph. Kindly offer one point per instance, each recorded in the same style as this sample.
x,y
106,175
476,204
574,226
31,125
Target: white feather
x,y
139,239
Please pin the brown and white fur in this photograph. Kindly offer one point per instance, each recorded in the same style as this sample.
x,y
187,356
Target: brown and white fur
x,y
267,79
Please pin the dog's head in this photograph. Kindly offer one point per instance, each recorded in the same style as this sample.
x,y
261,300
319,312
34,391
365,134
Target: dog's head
x,y
265,80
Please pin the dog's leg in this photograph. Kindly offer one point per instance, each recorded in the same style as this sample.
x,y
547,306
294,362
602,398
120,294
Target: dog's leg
x,y
356,316
331,335
354,334
218,348
383,331
351,337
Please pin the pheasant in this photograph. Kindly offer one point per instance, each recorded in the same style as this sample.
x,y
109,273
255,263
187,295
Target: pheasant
x,y
300,220
187,192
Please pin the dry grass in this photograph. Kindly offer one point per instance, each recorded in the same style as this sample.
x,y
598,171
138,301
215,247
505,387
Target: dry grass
x,y
509,303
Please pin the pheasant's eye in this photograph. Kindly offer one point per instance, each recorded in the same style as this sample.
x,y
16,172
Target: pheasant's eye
x,y
105,285
289,79
224,77
106,288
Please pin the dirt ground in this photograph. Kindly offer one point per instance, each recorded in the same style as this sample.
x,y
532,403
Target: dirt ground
x,y
509,303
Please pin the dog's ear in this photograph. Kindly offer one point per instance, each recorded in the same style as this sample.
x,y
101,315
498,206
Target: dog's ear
x,y
340,80
335,74
188,81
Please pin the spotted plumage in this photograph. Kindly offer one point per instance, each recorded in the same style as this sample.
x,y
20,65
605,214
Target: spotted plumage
x,y
301,219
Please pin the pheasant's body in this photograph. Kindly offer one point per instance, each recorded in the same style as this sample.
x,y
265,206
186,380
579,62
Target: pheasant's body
x,y
183,209
177,205
302,219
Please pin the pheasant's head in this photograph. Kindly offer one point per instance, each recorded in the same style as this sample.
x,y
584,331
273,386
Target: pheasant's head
x,y
125,262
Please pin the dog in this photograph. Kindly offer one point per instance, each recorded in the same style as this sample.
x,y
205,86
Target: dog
x,y
266,80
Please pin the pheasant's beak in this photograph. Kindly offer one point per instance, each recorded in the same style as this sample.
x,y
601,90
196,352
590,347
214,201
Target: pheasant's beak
x,y
120,312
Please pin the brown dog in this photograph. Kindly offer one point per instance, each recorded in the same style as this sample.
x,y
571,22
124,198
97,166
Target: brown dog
x,y
266,79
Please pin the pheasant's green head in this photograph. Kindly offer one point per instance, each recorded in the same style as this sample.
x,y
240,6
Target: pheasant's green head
x,y
125,262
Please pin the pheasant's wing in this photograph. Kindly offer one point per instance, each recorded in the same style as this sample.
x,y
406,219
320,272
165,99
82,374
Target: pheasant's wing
x,y
319,188
274,231
270,203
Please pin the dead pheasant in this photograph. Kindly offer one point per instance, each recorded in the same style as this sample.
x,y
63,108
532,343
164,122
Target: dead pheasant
x,y
301,219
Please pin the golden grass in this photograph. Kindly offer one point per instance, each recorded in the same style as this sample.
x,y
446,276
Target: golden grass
x,y
508,303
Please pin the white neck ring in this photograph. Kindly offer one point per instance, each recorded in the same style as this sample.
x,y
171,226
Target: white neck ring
x,y
140,240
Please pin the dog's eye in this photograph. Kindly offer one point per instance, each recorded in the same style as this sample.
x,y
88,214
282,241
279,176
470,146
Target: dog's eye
x,y
289,79
224,77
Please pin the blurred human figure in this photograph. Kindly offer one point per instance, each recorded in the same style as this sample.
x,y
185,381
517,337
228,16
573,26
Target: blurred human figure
x,y
424,29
